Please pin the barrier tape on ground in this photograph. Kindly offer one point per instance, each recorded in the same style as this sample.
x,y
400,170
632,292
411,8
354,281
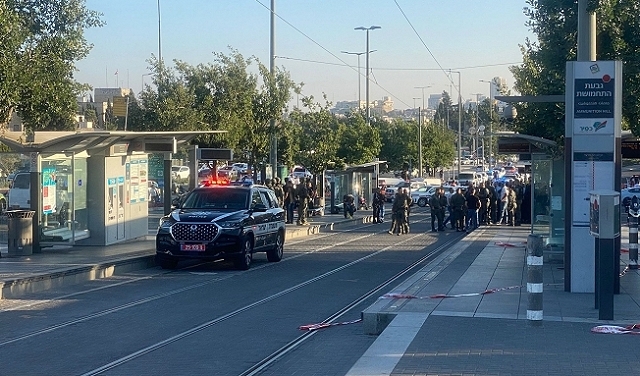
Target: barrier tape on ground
x,y
446,296
312,327
614,329
509,245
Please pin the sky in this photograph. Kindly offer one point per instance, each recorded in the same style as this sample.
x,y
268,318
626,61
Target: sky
x,y
417,43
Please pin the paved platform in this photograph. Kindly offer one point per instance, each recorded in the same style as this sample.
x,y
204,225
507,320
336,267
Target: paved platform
x,y
420,334
67,265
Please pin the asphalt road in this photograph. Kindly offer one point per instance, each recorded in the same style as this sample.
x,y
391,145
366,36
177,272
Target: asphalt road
x,y
210,319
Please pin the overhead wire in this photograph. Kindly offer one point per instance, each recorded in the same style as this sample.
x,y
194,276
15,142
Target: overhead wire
x,y
427,47
326,50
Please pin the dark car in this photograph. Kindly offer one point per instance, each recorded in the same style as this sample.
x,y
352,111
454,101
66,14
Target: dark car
x,y
228,222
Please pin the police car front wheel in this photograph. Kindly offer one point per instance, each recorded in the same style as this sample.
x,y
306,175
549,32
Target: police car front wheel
x,y
243,260
275,254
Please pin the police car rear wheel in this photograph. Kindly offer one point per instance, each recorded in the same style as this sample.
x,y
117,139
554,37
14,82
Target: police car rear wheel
x,y
422,202
275,254
243,261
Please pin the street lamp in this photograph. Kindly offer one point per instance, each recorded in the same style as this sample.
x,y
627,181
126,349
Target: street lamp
x,y
459,119
367,29
143,76
419,134
422,87
490,82
359,85
159,36
481,135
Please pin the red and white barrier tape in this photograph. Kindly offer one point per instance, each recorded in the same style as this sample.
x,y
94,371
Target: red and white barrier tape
x,y
312,327
508,245
614,329
444,296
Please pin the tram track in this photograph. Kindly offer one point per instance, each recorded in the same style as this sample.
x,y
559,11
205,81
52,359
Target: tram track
x,y
267,360
164,295
168,272
273,357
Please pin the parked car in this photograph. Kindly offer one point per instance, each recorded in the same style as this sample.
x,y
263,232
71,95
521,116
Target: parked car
x,y
627,194
222,222
180,172
300,172
390,192
20,191
419,196
241,167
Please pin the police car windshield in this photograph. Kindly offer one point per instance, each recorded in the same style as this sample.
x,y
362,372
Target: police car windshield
x,y
221,199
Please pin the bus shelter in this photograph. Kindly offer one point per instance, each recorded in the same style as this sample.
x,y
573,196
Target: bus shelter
x,y
90,187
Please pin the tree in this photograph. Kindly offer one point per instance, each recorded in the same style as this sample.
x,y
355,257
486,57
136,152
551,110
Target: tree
x,y
543,69
359,143
41,41
316,130
399,140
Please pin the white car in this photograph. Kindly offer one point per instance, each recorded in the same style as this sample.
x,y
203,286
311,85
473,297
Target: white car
x,y
300,172
419,197
180,172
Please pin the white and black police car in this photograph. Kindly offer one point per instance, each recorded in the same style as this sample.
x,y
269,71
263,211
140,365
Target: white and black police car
x,y
222,221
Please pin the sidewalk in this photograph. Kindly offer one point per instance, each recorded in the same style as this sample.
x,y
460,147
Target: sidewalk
x,y
66,265
415,327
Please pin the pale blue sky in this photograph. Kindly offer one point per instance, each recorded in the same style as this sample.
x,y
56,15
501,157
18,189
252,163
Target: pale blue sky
x,y
460,34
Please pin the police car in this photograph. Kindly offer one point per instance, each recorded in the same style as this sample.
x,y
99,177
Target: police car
x,y
228,222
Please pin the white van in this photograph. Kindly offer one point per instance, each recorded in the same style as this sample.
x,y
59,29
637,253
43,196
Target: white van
x,y
20,192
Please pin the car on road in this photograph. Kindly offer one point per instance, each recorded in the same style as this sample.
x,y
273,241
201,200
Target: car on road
x,y
390,192
229,222
419,196
180,172
627,194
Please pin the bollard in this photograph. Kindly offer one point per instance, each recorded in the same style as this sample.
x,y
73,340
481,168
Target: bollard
x,y
633,242
534,279
634,212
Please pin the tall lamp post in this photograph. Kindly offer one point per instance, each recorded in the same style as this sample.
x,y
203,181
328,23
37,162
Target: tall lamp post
x,y
459,119
367,29
419,135
159,36
359,85
490,120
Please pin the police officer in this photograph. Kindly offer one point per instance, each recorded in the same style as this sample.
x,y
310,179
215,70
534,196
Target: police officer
x,y
458,205
434,206
289,199
378,203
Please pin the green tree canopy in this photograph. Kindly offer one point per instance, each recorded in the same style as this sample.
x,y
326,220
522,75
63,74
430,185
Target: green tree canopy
x,y
543,69
41,41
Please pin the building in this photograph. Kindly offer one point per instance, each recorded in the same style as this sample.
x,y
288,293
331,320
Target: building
x,y
434,101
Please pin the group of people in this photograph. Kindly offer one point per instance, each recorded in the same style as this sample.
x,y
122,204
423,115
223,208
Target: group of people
x,y
487,204
290,197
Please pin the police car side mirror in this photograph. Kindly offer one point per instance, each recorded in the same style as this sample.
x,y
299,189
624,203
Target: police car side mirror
x,y
260,208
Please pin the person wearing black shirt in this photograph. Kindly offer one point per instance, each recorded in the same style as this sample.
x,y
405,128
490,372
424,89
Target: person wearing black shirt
x,y
473,204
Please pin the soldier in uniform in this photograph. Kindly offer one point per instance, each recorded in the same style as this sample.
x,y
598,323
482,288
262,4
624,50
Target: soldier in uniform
x,y
302,193
279,191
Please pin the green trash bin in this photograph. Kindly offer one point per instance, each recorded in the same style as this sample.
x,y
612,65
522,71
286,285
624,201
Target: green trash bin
x,y
20,232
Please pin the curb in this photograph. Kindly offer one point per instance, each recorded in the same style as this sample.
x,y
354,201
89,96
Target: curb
x,y
380,314
15,288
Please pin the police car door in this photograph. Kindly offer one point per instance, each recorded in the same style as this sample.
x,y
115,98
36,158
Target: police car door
x,y
260,219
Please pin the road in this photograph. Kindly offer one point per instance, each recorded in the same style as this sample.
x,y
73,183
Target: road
x,y
210,319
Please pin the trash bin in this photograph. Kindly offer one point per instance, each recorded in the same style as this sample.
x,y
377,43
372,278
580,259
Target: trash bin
x,y
20,234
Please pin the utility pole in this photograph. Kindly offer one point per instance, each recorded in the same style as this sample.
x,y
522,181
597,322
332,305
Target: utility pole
x,y
367,29
272,70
